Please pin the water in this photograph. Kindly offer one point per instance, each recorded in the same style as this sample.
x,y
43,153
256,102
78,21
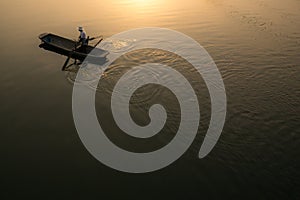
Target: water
x,y
255,45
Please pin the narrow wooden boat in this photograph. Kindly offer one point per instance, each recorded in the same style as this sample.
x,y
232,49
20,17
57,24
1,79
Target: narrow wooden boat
x,y
71,48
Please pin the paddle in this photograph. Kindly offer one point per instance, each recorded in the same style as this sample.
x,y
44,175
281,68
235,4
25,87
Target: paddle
x,y
69,56
98,42
92,38
66,62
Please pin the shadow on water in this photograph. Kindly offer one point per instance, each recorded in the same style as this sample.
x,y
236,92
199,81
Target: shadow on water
x,y
80,60
79,54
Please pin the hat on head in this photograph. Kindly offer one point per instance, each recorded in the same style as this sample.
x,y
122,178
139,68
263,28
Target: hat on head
x,y
80,28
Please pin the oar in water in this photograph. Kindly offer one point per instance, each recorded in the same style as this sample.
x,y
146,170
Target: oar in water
x,y
66,62
92,38
98,42
69,56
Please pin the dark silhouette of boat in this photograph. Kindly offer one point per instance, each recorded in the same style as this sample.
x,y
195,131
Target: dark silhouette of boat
x,y
73,49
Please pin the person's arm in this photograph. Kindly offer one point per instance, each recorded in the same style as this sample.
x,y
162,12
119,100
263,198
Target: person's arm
x,y
80,36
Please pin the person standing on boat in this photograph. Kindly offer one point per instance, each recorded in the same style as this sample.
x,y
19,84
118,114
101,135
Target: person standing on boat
x,y
82,37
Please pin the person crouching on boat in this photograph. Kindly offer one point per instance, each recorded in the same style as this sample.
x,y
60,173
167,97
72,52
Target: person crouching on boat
x,y
82,37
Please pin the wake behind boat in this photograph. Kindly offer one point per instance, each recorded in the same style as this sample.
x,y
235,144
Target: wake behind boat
x,y
72,49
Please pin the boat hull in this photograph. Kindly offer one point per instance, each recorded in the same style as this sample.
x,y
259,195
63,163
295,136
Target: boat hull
x,y
67,47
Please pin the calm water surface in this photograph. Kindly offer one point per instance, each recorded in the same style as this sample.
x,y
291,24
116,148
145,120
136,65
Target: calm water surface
x,y
255,45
